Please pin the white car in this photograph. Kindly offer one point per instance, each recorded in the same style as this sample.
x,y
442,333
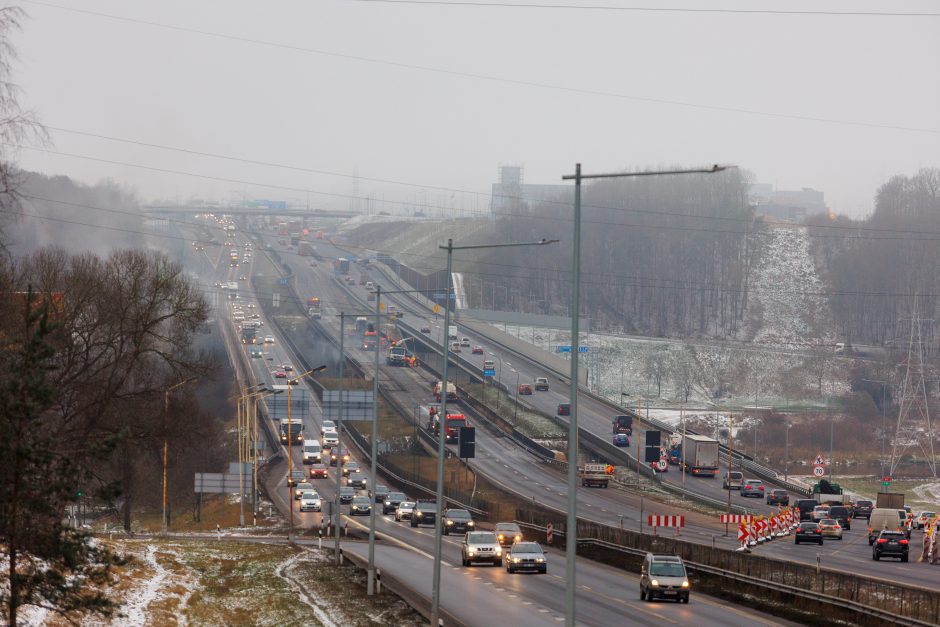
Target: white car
x,y
465,342
310,502
330,439
269,339
404,510
328,425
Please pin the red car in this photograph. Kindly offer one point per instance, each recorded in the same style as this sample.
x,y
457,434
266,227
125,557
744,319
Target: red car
x,y
477,350
525,389
319,471
280,374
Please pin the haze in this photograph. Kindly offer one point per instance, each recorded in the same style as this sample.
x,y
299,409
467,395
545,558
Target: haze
x,y
137,81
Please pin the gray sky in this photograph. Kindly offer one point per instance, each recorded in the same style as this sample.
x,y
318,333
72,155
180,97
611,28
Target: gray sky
x,y
329,112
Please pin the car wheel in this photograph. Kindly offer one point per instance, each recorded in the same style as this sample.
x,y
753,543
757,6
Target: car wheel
x,y
875,556
446,533
413,524
820,542
642,594
904,558
796,541
497,563
509,569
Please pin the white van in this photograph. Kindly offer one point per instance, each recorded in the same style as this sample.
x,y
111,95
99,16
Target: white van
x,y
886,518
313,452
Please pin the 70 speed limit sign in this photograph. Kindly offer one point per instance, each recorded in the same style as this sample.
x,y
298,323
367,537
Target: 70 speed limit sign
x,y
819,471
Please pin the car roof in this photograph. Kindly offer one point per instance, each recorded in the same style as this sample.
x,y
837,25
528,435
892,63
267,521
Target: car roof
x,y
663,557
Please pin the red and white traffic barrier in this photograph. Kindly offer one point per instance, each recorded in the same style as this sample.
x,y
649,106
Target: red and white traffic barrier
x,y
659,520
736,518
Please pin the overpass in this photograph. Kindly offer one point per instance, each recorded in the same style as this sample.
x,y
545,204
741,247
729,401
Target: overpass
x,y
167,210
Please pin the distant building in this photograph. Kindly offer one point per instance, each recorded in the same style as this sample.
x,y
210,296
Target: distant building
x,y
512,191
789,205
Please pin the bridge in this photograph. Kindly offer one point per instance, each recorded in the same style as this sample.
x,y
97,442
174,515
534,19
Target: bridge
x,y
166,210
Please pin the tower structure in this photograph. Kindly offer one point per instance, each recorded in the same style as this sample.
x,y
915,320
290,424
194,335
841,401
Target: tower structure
x,y
914,433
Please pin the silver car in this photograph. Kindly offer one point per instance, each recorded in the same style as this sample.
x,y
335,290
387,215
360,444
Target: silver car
x,y
481,546
404,510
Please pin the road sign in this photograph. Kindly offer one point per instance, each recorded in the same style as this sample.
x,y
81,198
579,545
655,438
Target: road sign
x,y
583,349
662,465
283,281
562,349
489,372
819,460
886,482
819,471
549,533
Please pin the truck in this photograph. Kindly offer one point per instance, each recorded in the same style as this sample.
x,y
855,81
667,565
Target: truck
x,y
292,431
832,493
397,356
369,340
623,424
249,333
890,500
452,332
341,266
362,324
593,475
451,427
451,391
306,249
313,307
699,455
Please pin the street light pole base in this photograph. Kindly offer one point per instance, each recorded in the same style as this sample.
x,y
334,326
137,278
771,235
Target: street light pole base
x,y
370,586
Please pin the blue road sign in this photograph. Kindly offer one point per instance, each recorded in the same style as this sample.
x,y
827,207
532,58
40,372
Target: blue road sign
x,y
562,349
582,349
283,282
489,373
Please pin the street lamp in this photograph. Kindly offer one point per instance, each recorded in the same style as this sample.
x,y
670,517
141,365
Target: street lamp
x,y
515,411
571,541
254,455
166,445
242,412
290,444
438,538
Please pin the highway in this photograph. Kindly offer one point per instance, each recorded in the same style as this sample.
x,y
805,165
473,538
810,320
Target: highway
x,y
524,599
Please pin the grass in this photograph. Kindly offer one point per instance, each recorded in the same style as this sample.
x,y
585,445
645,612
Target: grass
x,y
870,486
531,424
217,509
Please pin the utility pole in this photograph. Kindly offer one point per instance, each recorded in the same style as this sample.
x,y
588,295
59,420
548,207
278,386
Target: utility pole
x,y
339,428
370,586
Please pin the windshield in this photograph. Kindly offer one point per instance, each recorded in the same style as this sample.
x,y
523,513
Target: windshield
x,y
458,513
526,547
482,538
396,496
508,528
667,569
453,422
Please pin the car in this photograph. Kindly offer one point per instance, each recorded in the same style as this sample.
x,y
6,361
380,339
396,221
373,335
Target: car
x,y
301,487
330,440
778,497
392,501
312,452
891,544
923,518
296,476
404,510
664,577
465,342
455,347
360,506
341,454
357,480
830,528
564,409
886,519
310,502
350,467
456,521
621,439
489,364
862,508
287,368
269,339
346,494
843,515
319,471
477,350
541,384
426,330
424,513
480,546
379,493
507,533
808,532
820,512
752,487
280,374
327,425
525,389
733,480
526,556
243,278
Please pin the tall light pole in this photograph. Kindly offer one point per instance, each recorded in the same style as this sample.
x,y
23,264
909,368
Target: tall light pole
x,y
438,539
339,428
166,445
515,411
242,413
290,444
254,457
370,586
571,541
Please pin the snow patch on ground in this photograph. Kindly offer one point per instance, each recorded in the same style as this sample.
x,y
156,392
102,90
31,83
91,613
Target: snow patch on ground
x,y
928,492
135,608
283,571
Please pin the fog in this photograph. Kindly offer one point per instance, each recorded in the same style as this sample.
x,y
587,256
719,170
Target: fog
x,y
438,96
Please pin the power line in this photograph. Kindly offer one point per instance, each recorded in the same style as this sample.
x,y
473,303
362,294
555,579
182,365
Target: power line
x,y
645,9
744,221
487,77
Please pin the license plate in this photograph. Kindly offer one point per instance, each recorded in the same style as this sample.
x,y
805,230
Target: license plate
x,y
669,592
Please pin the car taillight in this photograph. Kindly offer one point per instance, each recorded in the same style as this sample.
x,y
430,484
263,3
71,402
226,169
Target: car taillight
x,y
762,488
882,540
903,541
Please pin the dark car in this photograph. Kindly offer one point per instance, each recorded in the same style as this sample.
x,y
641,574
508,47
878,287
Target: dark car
x,y
392,499
890,544
862,509
346,494
457,521
507,533
843,515
425,329
564,409
358,481
360,506
525,389
424,513
808,532
380,493
752,487
526,556
350,467
806,507
338,453
778,497
296,476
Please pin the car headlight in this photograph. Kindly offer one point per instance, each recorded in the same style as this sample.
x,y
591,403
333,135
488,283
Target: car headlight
x,y
540,559
654,583
470,524
501,537
685,584
471,552
450,522
499,551
518,538
418,514
387,503
516,560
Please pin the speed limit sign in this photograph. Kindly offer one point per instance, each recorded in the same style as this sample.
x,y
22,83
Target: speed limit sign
x,y
819,471
662,465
